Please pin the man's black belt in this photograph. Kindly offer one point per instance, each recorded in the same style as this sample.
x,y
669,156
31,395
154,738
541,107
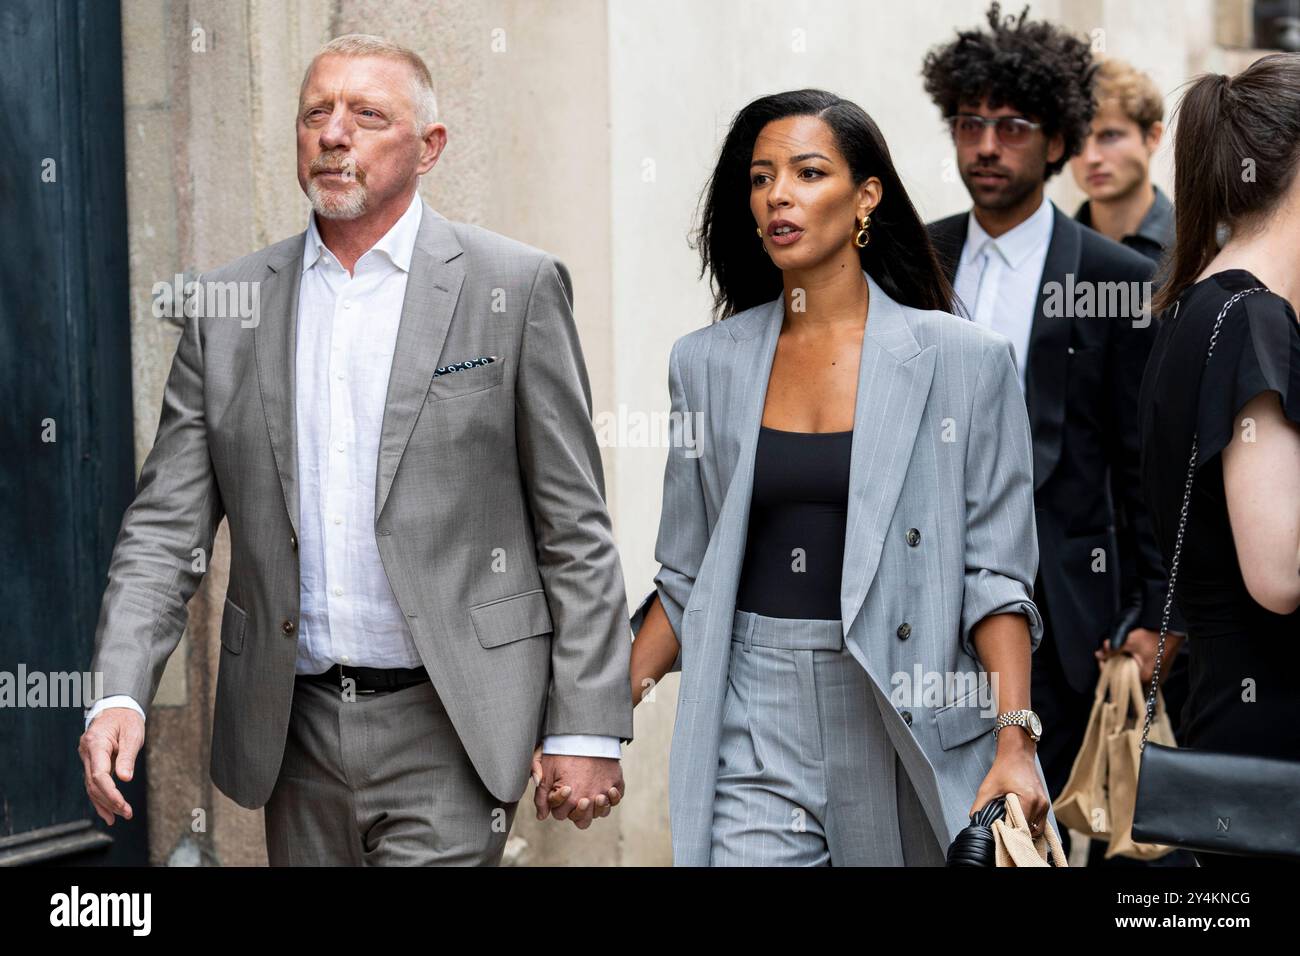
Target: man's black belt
x,y
369,680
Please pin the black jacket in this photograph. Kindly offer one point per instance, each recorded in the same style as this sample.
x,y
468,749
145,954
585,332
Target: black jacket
x,y
1155,233
1081,388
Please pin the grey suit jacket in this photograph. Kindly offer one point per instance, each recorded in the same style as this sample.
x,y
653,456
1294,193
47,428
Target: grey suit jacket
x,y
490,516
941,444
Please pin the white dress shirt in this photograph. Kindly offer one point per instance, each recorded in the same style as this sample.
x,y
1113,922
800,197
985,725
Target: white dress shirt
x,y
998,280
346,335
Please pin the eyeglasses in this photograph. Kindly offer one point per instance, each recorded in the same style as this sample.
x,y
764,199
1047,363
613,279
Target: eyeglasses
x,y
968,128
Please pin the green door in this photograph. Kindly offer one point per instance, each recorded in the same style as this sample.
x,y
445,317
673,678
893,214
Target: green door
x,y
66,462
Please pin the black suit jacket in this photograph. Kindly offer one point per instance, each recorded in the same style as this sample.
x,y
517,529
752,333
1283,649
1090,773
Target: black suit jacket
x,y
1099,563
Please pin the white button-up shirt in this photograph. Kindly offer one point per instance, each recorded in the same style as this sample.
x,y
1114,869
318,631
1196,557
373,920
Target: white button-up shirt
x,y
347,330
346,335
998,279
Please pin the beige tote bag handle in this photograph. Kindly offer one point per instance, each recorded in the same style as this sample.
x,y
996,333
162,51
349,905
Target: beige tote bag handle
x,y
1015,844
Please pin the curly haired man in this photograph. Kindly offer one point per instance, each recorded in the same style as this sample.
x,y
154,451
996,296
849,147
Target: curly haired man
x,y
1019,101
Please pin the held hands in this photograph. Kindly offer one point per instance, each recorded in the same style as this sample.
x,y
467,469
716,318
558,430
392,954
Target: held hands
x,y
112,741
1014,771
577,789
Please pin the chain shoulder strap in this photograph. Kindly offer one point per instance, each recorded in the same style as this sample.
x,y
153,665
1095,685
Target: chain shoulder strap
x,y
1182,524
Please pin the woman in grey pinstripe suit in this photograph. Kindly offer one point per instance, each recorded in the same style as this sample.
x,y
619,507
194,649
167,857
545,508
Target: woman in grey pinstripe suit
x,y
847,541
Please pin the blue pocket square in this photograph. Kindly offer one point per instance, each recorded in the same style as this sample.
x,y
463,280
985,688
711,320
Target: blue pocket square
x,y
461,366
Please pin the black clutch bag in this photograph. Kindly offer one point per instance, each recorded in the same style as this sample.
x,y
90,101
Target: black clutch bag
x,y
974,845
1202,800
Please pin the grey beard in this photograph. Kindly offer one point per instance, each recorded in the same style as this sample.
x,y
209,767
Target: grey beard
x,y
349,205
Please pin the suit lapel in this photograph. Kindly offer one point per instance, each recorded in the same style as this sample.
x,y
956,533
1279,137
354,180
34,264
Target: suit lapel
x,y
754,337
737,387
274,347
894,376
1049,337
1049,340
432,289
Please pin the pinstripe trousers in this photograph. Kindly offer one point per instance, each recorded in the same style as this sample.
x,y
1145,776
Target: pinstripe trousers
x,y
380,779
807,775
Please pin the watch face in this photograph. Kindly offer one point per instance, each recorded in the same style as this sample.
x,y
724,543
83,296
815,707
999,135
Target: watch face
x,y
1035,725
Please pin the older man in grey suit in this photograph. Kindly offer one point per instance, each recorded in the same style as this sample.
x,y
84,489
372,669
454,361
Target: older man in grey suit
x,y
423,580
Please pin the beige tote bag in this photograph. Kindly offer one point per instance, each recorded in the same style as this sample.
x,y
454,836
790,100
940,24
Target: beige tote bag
x,y
1124,757
1015,845
1081,805
1101,792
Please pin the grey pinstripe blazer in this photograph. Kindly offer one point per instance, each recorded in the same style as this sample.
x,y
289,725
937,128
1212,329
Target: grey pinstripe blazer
x,y
489,512
941,444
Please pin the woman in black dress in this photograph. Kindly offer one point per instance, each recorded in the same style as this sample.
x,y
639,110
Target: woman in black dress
x,y
1238,585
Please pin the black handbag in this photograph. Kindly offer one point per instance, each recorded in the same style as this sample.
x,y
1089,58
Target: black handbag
x,y
974,845
1202,800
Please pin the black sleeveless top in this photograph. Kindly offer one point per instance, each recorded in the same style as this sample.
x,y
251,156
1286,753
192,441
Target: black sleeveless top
x,y
794,552
1243,697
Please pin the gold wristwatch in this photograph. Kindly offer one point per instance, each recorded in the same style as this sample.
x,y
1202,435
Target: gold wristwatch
x,y
1020,718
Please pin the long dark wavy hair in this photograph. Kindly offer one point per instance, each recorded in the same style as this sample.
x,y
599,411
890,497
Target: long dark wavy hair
x,y
900,256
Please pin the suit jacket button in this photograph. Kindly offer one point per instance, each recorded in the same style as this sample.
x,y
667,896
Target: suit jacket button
x,y
913,537
293,541
904,631
907,717
288,627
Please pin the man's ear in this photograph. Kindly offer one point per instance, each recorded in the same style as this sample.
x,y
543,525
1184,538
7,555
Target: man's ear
x,y
433,142
1154,135
1055,148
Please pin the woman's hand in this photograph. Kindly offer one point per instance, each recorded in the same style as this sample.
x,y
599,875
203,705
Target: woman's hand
x,y
537,765
558,795
1015,771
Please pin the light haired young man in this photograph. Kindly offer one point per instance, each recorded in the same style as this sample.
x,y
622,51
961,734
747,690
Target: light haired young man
x,y
1114,166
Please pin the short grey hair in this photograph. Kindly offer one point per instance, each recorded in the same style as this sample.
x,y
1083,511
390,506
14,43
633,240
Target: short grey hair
x,y
364,44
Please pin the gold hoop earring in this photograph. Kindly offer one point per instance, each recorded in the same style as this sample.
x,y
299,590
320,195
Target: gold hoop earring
x,y
759,230
863,237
